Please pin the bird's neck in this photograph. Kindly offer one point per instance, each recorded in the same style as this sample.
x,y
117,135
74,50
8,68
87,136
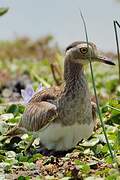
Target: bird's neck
x,y
74,75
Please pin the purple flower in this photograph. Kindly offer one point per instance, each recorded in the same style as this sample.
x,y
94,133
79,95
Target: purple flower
x,y
28,93
40,88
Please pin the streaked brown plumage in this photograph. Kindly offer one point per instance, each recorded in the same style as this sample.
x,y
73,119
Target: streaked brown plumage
x,y
62,116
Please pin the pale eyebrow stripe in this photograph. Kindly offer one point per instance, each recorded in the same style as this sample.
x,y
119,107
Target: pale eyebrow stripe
x,y
72,45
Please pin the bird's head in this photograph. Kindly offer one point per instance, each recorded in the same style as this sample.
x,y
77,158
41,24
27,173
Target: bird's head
x,y
81,52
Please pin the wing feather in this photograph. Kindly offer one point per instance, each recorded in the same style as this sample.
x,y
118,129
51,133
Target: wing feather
x,y
38,115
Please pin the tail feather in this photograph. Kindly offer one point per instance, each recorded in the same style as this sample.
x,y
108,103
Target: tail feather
x,y
15,131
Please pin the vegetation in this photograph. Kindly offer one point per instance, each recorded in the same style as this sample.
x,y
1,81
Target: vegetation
x,y
20,65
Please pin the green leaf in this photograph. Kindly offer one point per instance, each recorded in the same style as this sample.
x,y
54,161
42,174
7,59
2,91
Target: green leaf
x,y
6,117
104,109
35,157
7,168
11,154
108,160
13,109
105,149
21,108
114,119
2,158
118,137
21,178
112,177
3,11
22,158
3,127
85,168
77,162
90,143
28,165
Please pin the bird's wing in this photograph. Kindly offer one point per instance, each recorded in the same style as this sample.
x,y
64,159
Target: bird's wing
x,y
39,112
48,94
38,115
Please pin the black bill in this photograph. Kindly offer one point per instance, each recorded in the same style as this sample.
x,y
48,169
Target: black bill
x,y
105,60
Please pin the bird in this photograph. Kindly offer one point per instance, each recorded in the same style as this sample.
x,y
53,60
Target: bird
x,y
62,116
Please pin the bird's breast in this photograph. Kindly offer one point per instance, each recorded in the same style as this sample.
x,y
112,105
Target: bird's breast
x,y
60,137
75,107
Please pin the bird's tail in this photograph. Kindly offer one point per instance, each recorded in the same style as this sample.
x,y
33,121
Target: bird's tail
x,y
15,131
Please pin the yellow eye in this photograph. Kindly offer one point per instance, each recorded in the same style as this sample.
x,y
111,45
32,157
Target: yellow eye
x,y
83,50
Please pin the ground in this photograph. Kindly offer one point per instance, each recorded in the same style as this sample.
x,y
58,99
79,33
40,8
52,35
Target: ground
x,y
90,159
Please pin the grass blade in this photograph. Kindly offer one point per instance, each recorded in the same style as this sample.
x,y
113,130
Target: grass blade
x,y
117,24
3,11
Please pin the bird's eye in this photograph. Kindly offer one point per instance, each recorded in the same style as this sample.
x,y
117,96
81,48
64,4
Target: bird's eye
x,y
83,50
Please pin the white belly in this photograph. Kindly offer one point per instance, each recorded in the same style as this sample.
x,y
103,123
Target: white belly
x,y
59,137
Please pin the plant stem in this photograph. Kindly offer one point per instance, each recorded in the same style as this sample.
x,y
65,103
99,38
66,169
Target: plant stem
x,y
117,24
39,79
95,92
117,44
